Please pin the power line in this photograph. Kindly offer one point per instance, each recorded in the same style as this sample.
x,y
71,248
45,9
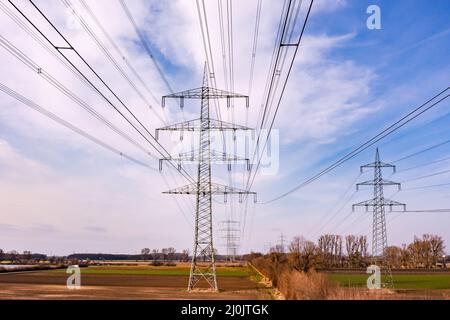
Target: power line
x,y
423,151
144,85
59,120
361,215
71,48
45,45
255,45
143,40
322,224
208,51
118,50
427,210
400,213
109,56
64,90
427,187
222,43
427,176
259,119
25,101
391,129
204,28
281,45
425,164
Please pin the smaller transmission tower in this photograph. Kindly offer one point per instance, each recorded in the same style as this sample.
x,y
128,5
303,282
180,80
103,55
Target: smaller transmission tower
x,y
378,204
281,243
230,228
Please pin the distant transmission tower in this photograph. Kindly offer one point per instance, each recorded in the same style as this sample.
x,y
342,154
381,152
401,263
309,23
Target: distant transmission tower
x,y
203,262
281,243
378,203
231,237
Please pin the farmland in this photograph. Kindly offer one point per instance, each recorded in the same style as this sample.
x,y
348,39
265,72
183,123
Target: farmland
x,y
408,285
129,282
401,281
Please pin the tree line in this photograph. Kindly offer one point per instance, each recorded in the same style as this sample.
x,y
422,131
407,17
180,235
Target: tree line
x,y
14,256
166,254
345,252
352,251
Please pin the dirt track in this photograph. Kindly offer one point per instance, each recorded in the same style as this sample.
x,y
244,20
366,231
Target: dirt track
x,y
52,285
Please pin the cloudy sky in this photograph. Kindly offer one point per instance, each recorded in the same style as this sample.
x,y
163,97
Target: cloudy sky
x,y
61,193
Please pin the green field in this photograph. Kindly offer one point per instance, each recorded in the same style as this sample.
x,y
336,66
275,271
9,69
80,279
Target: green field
x,y
162,271
401,281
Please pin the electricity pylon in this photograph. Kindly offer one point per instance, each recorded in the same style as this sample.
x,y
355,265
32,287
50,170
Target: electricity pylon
x,y
281,243
231,228
203,261
378,203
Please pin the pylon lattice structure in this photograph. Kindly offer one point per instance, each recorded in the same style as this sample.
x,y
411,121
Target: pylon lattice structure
x,y
281,243
230,228
378,204
203,261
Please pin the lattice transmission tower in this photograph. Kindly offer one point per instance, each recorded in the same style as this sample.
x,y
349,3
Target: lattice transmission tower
x,y
378,204
203,261
231,229
282,242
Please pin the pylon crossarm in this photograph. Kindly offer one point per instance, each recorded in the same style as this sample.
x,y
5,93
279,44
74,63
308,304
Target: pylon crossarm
x,y
216,189
380,164
391,203
385,203
215,156
188,189
223,125
380,182
196,125
189,125
205,92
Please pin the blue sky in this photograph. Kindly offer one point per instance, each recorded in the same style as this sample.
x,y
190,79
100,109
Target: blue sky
x,y
409,60
65,194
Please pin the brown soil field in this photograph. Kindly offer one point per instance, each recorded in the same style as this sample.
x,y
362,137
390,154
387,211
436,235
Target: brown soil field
x,y
52,285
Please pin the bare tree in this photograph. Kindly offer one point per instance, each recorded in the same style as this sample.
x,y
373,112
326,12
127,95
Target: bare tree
x,y
330,246
156,254
185,255
302,254
363,246
394,256
351,246
13,255
171,253
437,248
276,249
26,255
406,257
145,253
165,252
356,247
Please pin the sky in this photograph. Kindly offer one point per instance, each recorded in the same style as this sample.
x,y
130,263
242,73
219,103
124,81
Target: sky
x,y
61,193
